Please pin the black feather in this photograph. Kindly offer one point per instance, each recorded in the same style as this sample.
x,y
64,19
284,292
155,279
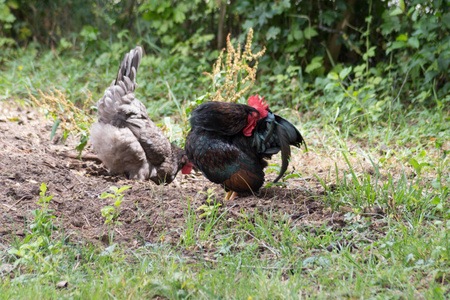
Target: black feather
x,y
294,136
221,117
285,149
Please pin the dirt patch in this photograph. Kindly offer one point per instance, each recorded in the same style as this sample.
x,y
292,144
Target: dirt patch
x,y
28,158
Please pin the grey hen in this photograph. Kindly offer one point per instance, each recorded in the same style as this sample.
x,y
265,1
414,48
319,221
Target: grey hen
x,y
124,137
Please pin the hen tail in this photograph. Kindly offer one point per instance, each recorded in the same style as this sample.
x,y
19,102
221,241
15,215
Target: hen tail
x,y
111,109
129,65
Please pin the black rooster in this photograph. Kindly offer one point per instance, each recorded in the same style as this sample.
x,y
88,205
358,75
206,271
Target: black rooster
x,y
229,143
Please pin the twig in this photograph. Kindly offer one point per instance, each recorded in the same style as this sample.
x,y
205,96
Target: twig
x,y
88,157
56,55
236,214
87,221
404,81
118,231
9,207
17,202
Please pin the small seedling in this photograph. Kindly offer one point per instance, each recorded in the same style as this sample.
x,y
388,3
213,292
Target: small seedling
x,y
111,213
39,244
209,209
418,167
43,219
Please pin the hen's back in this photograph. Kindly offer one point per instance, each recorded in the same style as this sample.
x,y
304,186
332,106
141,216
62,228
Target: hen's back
x,y
124,137
113,141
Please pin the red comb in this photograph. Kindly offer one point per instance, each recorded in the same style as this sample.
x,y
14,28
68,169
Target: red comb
x,y
259,105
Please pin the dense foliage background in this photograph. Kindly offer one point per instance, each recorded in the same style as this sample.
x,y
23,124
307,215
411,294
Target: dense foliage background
x,y
343,60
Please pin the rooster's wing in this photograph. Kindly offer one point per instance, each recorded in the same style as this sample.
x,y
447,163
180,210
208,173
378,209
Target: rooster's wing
x,y
223,162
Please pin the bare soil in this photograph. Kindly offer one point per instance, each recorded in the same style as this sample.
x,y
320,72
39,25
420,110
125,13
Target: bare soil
x,y
28,158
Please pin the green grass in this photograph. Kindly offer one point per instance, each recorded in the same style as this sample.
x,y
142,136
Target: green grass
x,y
407,261
402,253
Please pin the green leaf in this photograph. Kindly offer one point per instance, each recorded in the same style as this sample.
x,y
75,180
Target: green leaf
x,y
107,195
310,32
377,80
272,33
333,76
89,33
123,188
343,74
371,51
331,85
103,59
436,184
414,42
107,210
43,189
82,142
396,45
5,14
315,64
414,163
402,37
203,207
55,127
415,15
13,251
123,33
337,114
297,34
397,11
291,176
248,24
178,16
109,251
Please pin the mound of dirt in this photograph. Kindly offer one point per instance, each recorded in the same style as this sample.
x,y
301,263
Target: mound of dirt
x,y
28,158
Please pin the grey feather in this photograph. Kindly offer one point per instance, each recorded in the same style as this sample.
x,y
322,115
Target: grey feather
x,y
125,138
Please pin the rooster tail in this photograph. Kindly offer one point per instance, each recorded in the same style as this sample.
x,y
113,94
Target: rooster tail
x,y
288,135
283,137
293,135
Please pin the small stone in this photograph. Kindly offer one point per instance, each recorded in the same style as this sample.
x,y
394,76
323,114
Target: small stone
x,y
374,211
62,284
383,149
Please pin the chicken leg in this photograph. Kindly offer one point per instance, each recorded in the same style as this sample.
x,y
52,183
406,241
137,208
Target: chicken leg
x,y
230,195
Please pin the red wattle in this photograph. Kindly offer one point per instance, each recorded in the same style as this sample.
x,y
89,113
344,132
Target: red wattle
x,y
251,124
187,168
